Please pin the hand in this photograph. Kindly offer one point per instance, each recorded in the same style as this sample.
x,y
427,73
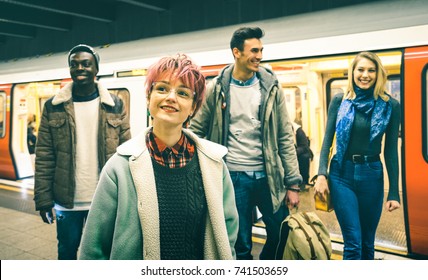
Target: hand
x,y
391,205
292,198
47,216
321,188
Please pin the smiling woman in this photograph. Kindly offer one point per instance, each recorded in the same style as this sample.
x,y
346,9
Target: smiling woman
x,y
365,74
360,118
177,182
172,98
174,109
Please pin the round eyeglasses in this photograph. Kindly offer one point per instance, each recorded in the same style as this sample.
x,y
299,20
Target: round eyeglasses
x,y
166,89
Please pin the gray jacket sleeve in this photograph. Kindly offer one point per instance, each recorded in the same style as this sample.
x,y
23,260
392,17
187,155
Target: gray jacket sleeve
x,y
208,121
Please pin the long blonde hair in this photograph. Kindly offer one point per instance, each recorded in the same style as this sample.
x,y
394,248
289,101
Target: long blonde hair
x,y
381,77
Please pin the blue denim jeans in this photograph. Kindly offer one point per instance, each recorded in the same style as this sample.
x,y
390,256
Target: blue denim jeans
x,y
69,227
251,191
357,195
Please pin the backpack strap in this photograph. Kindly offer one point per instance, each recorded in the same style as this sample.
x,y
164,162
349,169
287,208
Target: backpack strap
x,y
283,239
317,232
308,238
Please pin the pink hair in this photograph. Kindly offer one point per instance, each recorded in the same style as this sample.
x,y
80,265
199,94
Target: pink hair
x,y
180,67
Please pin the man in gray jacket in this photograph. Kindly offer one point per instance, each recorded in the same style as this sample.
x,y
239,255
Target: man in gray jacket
x,y
79,131
245,111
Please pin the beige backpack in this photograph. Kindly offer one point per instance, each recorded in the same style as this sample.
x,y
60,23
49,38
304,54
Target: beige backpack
x,y
308,238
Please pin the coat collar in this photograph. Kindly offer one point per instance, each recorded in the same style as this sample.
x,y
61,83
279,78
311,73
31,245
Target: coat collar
x,y
265,75
216,246
65,94
137,145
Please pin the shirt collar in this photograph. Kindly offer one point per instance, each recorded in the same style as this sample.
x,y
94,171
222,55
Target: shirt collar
x,y
248,82
178,149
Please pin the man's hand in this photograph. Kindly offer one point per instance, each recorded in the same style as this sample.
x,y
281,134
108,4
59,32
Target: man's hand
x,y
292,197
47,216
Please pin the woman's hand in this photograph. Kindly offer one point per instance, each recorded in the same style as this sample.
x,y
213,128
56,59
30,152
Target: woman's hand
x,y
391,205
321,188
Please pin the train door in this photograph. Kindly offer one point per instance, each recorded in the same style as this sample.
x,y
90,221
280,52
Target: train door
x,y
131,90
7,170
19,104
415,129
21,158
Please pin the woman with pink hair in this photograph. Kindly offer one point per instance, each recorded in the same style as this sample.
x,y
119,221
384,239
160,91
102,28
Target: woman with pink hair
x,y
165,194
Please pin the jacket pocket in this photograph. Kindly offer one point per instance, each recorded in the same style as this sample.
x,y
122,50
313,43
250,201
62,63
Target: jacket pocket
x,y
59,132
114,122
113,128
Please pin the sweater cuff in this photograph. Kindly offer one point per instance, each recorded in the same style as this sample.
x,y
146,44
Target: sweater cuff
x,y
292,181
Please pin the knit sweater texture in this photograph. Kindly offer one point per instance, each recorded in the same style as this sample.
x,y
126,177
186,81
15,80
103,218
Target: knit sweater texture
x,y
182,210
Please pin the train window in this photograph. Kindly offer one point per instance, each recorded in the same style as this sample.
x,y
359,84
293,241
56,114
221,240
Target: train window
x,y
293,99
336,86
37,94
393,86
2,114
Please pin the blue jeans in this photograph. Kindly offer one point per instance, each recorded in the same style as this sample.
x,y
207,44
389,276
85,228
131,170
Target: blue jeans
x,y
357,195
251,191
69,227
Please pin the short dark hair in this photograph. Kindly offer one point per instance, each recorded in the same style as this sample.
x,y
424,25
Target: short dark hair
x,y
84,48
244,33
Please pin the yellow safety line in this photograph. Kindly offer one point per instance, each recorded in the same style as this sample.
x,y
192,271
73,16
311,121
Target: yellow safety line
x,y
259,240
336,257
15,189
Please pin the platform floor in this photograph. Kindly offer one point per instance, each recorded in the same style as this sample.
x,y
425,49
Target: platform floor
x,y
23,235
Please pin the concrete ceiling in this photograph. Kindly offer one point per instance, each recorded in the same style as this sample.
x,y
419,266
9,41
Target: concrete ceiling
x,y
36,27
22,18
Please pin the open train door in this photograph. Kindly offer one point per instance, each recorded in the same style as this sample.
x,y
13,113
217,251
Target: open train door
x,y
7,169
14,141
416,148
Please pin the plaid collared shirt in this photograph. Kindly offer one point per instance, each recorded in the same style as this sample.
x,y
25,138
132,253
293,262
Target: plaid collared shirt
x,y
173,157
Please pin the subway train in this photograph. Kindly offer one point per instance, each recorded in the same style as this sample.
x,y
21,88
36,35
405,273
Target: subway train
x,y
309,53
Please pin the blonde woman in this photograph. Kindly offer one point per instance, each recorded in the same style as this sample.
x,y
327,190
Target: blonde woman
x,y
360,119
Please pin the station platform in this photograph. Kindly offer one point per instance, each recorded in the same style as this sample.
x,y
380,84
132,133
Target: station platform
x,y
23,235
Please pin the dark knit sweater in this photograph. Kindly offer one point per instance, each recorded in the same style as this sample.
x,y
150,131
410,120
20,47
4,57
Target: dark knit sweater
x,y
182,210
359,142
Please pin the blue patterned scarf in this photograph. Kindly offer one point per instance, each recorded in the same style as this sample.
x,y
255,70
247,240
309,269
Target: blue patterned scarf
x,y
364,102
